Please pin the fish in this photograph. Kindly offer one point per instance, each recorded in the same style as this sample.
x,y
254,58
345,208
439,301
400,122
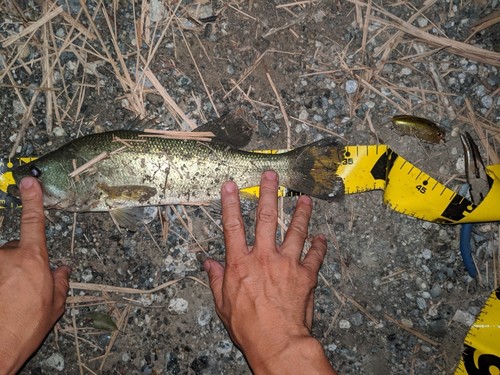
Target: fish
x,y
422,128
140,169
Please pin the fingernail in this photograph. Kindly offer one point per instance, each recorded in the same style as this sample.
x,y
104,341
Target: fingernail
x,y
270,175
322,237
306,200
229,186
27,182
206,265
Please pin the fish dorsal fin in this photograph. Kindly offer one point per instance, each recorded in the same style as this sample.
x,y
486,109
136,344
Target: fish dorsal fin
x,y
130,218
232,129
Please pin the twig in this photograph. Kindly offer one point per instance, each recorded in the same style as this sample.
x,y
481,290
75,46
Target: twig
x,y
421,336
283,111
83,167
33,27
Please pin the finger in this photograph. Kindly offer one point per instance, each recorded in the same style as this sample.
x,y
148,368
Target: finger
x,y
297,230
315,255
267,212
61,287
32,217
309,311
10,245
232,222
215,272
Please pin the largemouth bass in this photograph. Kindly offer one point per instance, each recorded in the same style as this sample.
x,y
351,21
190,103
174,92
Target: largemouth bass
x,y
143,170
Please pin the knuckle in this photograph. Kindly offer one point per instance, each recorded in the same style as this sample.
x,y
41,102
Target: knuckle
x,y
32,217
233,224
267,215
298,228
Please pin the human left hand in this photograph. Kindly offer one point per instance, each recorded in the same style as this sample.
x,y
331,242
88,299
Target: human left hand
x,y
32,296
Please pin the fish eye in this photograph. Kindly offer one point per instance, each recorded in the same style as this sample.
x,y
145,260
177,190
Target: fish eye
x,y
35,172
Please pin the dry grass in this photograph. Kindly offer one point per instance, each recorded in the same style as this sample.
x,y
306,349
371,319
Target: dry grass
x,y
97,47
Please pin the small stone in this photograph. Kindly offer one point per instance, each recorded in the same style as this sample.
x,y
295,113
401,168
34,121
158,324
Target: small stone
x,y
331,347
487,101
18,108
178,306
351,86
125,357
224,347
303,115
426,254
407,322
422,21
421,303
317,118
464,318
87,275
204,316
356,319
55,361
344,324
406,71
59,131
230,70
436,290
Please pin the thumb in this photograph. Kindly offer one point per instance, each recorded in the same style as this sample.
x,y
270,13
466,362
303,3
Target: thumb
x,y
215,272
61,286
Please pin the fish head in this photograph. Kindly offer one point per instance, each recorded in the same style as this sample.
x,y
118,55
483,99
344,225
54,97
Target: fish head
x,y
52,172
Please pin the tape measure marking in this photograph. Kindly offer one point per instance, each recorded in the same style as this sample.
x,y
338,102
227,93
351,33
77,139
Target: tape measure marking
x,y
481,345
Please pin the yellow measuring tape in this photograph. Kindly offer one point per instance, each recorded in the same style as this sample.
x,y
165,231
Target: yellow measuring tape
x,y
409,190
482,343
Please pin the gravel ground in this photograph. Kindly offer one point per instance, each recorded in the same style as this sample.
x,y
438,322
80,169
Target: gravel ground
x,y
393,297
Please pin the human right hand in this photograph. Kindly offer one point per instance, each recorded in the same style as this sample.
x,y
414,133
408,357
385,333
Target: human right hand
x,y
264,294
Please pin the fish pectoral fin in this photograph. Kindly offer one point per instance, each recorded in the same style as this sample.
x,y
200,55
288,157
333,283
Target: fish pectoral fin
x,y
137,193
129,218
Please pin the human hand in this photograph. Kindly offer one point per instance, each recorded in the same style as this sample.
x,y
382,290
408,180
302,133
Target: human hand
x,y
32,297
264,295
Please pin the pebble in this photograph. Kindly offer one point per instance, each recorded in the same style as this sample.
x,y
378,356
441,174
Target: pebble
x,y
427,254
87,275
357,319
422,21
59,131
224,347
178,306
487,101
351,86
18,108
436,290
331,347
421,303
204,316
55,361
406,71
303,115
464,318
344,324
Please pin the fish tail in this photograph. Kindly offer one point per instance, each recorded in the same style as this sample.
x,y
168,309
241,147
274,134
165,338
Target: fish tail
x,y
314,170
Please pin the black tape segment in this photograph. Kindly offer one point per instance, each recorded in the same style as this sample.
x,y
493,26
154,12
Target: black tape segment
x,y
455,210
383,165
7,200
484,362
